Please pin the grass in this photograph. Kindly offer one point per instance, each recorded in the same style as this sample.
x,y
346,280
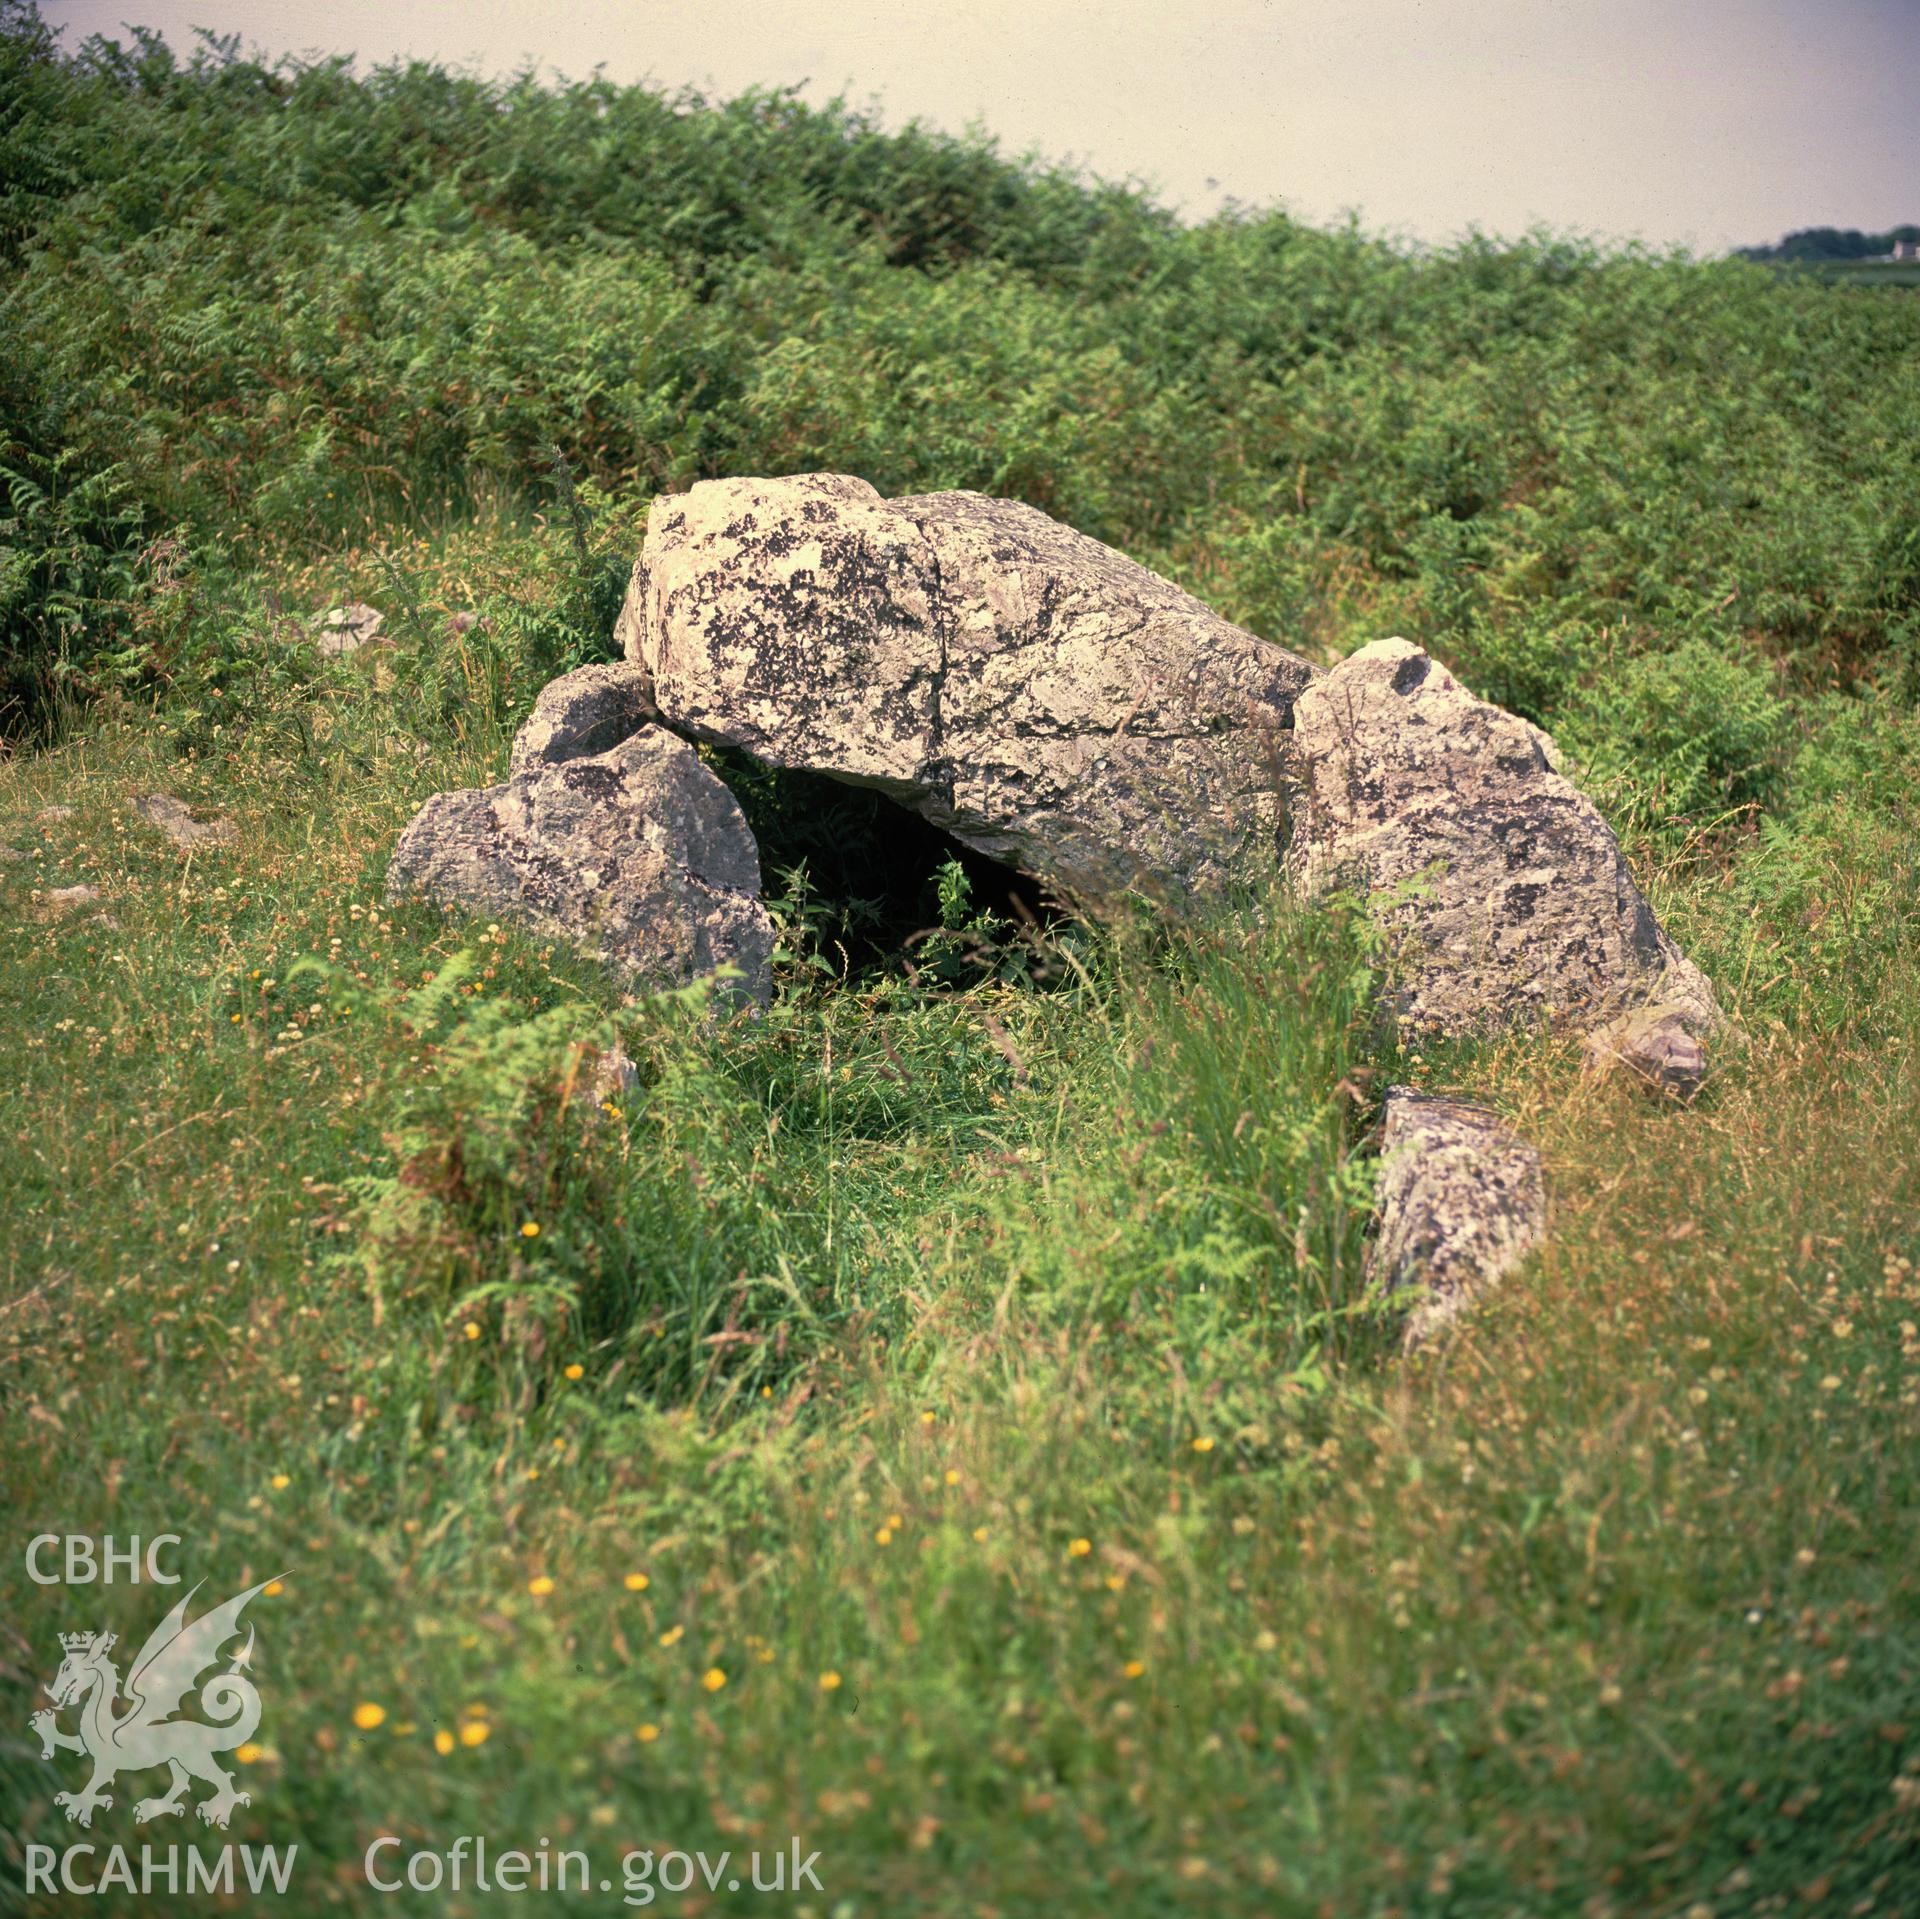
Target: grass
x,y
945,1425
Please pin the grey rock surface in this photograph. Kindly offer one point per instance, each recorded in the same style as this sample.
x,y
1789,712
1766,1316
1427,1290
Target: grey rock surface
x,y
346,629
604,1077
181,825
1504,891
638,856
583,713
1462,1200
1656,1046
63,899
1024,687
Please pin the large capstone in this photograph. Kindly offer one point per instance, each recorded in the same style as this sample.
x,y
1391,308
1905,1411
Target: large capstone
x,y
1505,893
637,855
1034,693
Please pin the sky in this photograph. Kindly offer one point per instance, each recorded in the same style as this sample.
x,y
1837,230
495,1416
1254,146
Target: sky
x,y
1698,123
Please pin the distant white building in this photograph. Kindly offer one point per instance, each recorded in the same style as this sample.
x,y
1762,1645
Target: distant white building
x,y
1906,249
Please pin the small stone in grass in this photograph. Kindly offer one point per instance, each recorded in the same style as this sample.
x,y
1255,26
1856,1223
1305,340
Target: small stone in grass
x,y
1654,1045
346,629
175,819
604,1078
1462,1201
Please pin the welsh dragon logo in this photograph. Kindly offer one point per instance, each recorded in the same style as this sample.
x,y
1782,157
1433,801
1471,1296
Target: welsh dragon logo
x,y
144,1733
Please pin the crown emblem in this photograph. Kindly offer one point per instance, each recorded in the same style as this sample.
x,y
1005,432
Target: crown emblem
x,y
87,1641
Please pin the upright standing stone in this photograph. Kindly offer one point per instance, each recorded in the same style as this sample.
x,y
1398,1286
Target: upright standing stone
x,y
639,856
1504,890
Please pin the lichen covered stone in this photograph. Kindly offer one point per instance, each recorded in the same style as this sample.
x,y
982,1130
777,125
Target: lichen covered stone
x,y
1505,893
583,713
639,856
1462,1201
1043,698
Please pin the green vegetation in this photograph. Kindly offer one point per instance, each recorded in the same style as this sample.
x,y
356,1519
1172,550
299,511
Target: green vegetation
x,y
1870,273
1831,245
941,1419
